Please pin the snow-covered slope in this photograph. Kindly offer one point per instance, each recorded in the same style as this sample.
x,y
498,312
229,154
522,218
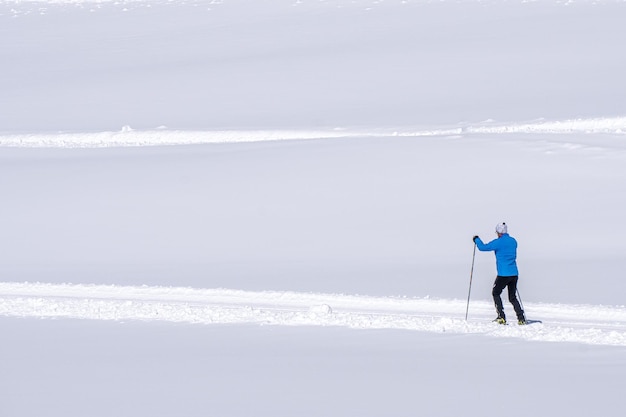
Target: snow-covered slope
x,y
266,207
280,64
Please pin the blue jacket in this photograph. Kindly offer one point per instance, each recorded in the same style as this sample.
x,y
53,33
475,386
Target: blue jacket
x,y
505,248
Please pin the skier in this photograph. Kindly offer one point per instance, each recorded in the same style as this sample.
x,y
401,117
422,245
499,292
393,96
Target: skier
x,y
505,248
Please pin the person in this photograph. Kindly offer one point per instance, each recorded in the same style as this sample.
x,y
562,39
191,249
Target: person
x,y
505,248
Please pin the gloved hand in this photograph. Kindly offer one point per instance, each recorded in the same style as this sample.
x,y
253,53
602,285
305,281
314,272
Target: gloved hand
x,y
474,238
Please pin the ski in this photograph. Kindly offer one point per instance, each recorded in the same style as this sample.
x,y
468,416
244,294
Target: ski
x,y
528,322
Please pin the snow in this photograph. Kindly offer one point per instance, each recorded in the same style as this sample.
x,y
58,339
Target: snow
x,y
601,325
162,137
266,208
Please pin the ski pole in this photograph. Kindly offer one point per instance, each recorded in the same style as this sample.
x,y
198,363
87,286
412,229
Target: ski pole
x,y
519,297
470,284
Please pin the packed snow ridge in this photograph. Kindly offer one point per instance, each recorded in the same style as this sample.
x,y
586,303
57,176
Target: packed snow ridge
x,y
216,2
162,136
599,325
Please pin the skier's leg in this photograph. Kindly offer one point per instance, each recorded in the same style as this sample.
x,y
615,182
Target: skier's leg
x,y
512,287
498,286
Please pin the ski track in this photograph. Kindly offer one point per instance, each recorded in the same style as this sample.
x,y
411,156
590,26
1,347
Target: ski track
x,y
589,324
128,137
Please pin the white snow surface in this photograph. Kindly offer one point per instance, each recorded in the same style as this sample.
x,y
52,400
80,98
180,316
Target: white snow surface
x,y
129,137
602,325
265,208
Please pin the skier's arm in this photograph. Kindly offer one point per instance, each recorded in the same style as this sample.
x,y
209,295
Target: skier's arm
x,y
485,247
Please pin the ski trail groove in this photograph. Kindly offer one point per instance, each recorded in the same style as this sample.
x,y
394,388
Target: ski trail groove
x,y
590,324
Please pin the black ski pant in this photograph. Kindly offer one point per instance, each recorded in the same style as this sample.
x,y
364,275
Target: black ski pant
x,y
498,287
